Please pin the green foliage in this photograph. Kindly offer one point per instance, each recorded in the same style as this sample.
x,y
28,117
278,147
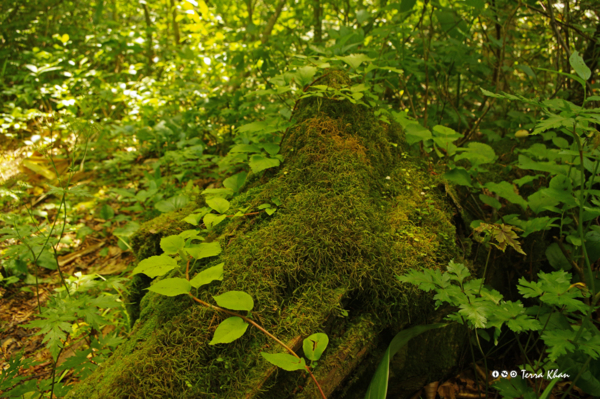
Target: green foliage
x,y
559,319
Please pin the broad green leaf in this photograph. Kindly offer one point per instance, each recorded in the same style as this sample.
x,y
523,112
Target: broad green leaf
x,y
561,189
127,230
211,220
229,330
194,218
459,176
171,286
155,266
171,244
106,212
579,66
379,383
592,246
264,127
236,181
217,192
407,5
416,133
204,250
490,94
285,361
477,154
235,300
491,201
541,201
271,149
556,257
354,60
172,204
362,16
258,163
315,345
506,191
244,148
219,204
208,276
305,75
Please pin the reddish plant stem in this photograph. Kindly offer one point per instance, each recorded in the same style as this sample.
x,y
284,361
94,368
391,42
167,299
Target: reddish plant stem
x,y
268,334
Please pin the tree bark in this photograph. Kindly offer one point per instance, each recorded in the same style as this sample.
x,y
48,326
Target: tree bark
x,y
176,36
271,24
318,21
149,52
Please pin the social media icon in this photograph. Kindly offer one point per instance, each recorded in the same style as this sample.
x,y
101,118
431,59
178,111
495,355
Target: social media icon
x,y
504,373
513,374
495,373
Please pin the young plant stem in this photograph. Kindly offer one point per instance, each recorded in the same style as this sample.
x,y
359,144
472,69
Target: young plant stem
x,y
487,261
268,334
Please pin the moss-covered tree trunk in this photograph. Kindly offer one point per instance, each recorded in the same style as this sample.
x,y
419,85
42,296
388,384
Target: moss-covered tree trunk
x,y
356,210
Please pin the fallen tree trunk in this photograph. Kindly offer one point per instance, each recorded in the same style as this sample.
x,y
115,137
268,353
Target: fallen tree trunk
x,y
356,211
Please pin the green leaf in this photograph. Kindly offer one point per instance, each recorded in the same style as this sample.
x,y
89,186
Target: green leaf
x,y
171,244
592,246
258,163
506,191
560,189
235,300
477,154
106,212
236,181
491,201
379,382
285,361
171,286
407,5
541,201
305,75
271,149
459,176
208,276
556,257
155,266
354,60
490,94
315,345
229,330
219,204
217,192
416,133
172,204
244,148
579,66
211,220
204,250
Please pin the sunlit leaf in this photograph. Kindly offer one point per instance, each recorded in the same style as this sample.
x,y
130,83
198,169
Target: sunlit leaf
x,y
171,286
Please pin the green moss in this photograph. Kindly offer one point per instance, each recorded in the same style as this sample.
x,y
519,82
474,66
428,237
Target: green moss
x,y
355,212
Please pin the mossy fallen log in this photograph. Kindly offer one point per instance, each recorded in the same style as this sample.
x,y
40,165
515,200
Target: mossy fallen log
x,y
356,210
